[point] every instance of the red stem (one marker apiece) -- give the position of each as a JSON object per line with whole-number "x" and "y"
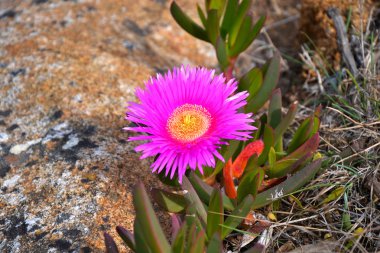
{"x": 228, "y": 72}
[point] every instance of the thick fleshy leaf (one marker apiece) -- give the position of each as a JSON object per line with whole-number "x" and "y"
{"x": 212, "y": 27}
{"x": 110, "y": 244}
{"x": 140, "y": 243}
{"x": 237, "y": 216}
{"x": 288, "y": 186}
{"x": 204, "y": 192}
{"x": 247, "y": 35}
{"x": 186, "y": 23}
{"x": 171, "y": 202}
{"x": 194, "y": 200}
{"x": 197, "y": 245}
{"x": 146, "y": 218}
{"x": 268, "y": 139}
{"x": 229, "y": 185}
{"x": 201, "y": 15}
{"x": 269, "y": 183}
{"x": 178, "y": 245}
{"x": 176, "y": 223}
{"x": 250, "y": 184}
{"x": 244, "y": 31}
{"x": 215, "y": 245}
{"x": 271, "y": 158}
{"x": 253, "y": 148}
{"x": 215, "y": 215}
{"x": 229, "y": 17}
{"x": 275, "y": 105}
{"x": 238, "y": 21}
{"x": 216, "y": 5}
{"x": 290, "y": 162}
{"x": 221, "y": 53}
{"x": 285, "y": 122}
{"x": 227, "y": 152}
{"x": 307, "y": 128}
{"x": 251, "y": 81}
{"x": 127, "y": 237}
{"x": 269, "y": 83}
{"x": 256, "y": 134}
{"x": 167, "y": 180}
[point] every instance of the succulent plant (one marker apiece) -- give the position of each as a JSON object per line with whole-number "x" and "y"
{"x": 226, "y": 24}
{"x": 201, "y": 230}
{"x": 207, "y": 208}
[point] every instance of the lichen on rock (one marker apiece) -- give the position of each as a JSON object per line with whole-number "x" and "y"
{"x": 67, "y": 70}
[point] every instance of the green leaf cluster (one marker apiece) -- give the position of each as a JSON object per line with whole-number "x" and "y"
{"x": 196, "y": 234}
{"x": 226, "y": 24}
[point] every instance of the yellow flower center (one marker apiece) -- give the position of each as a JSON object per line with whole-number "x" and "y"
{"x": 188, "y": 122}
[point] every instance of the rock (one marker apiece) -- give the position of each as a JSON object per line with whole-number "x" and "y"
{"x": 67, "y": 70}
{"x": 320, "y": 29}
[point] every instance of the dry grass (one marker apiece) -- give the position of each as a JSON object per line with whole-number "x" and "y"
{"x": 349, "y": 221}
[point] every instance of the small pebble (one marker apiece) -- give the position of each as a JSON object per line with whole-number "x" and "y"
{"x": 3, "y": 137}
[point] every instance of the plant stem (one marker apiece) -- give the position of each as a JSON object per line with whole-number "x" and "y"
{"x": 228, "y": 72}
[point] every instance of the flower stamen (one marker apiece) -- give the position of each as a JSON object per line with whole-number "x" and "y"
{"x": 188, "y": 122}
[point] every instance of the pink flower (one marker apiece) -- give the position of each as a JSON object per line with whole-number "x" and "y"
{"x": 185, "y": 116}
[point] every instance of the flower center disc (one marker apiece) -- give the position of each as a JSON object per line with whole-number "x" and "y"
{"x": 188, "y": 122}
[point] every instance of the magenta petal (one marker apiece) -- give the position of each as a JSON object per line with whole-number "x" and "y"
{"x": 163, "y": 94}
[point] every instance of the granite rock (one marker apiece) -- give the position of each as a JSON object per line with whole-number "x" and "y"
{"x": 67, "y": 69}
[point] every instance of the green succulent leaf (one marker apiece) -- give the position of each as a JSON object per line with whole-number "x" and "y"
{"x": 238, "y": 21}
{"x": 110, "y": 244}
{"x": 275, "y": 105}
{"x": 221, "y": 53}
{"x": 201, "y": 15}
{"x": 229, "y": 17}
{"x": 204, "y": 192}
{"x": 256, "y": 134}
{"x": 212, "y": 27}
{"x": 227, "y": 152}
{"x": 250, "y": 184}
{"x": 178, "y": 245}
{"x": 187, "y": 23}
{"x": 294, "y": 160}
{"x": 268, "y": 139}
{"x": 167, "y": 180}
{"x": 237, "y": 215}
{"x": 194, "y": 199}
{"x": 244, "y": 31}
{"x": 285, "y": 122}
{"x": 247, "y": 35}
{"x": 198, "y": 243}
{"x": 288, "y": 186}
{"x": 307, "y": 128}
{"x": 269, "y": 83}
{"x": 148, "y": 222}
{"x": 216, "y": 5}
{"x": 272, "y": 158}
{"x": 215, "y": 245}
{"x": 127, "y": 237}
{"x": 251, "y": 81}
{"x": 140, "y": 243}
{"x": 171, "y": 202}
{"x": 215, "y": 213}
